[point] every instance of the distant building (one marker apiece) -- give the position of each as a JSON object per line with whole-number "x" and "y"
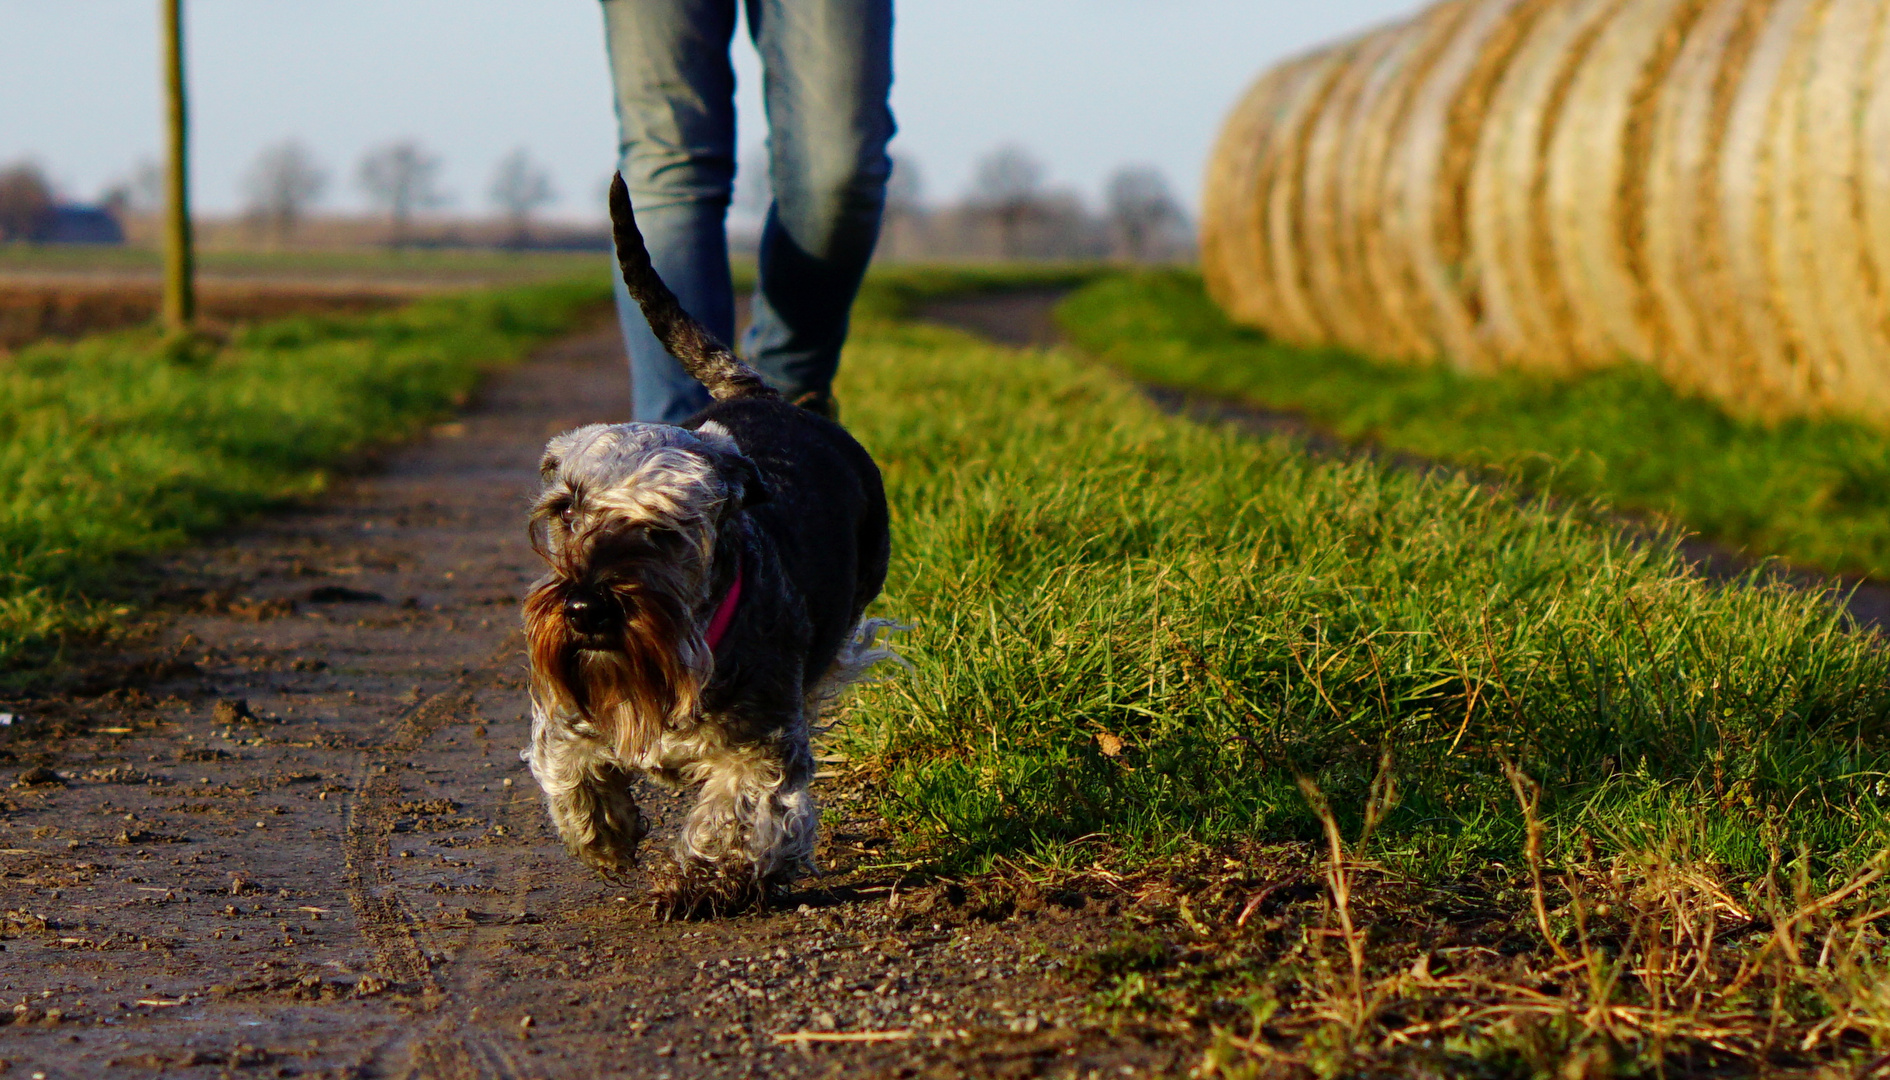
{"x": 75, "y": 224}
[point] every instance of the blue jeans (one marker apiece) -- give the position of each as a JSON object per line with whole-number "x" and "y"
{"x": 827, "y": 68}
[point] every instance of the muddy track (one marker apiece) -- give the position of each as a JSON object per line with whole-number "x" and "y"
{"x": 286, "y": 832}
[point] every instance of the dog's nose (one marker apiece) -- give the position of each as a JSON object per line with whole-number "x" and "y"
{"x": 587, "y": 614}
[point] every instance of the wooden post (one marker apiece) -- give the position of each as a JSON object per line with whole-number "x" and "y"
{"x": 180, "y": 294}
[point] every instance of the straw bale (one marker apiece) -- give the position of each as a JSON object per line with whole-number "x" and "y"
{"x": 1698, "y": 185}
{"x": 1231, "y": 260}
{"x": 1873, "y": 173}
{"x": 1684, "y": 250}
{"x": 1596, "y": 192}
{"x": 1327, "y": 256}
{"x": 1525, "y": 314}
{"x": 1820, "y": 252}
{"x": 1241, "y": 227}
{"x": 1298, "y": 313}
{"x": 1747, "y": 206}
{"x": 1404, "y": 328}
{"x": 1430, "y": 171}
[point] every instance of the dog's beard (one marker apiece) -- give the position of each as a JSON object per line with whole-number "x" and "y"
{"x": 650, "y": 682}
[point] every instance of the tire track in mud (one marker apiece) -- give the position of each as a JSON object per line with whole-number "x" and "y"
{"x": 451, "y": 1046}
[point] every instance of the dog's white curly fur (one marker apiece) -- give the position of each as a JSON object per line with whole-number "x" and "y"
{"x": 754, "y": 815}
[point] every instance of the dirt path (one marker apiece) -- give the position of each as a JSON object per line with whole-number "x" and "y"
{"x": 289, "y": 835}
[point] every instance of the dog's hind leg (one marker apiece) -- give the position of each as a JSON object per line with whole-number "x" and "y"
{"x": 587, "y": 795}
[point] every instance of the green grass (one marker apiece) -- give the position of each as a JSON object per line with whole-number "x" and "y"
{"x": 1816, "y": 491}
{"x": 894, "y": 292}
{"x": 116, "y": 446}
{"x": 1081, "y": 569}
{"x": 470, "y": 266}
{"x": 1132, "y": 635}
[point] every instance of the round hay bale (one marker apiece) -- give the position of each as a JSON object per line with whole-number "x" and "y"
{"x": 1698, "y": 185}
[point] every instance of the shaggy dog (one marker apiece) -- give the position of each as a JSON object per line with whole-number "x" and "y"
{"x": 705, "y": 598}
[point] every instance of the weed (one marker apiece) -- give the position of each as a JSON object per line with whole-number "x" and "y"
{"x": 1128, "y": 953}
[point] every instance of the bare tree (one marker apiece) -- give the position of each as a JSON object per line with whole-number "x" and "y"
{"x": 905, "y": 188}
{"x": 281, "y": 185}
{"x": 520, "y": 186}
{"x": 1008, "y": 184}
{"x": 1141, "y": 209}
{"x": 400, "y": 178}
{"x": 25, "y": 200}
{"x": 140, "y": 193}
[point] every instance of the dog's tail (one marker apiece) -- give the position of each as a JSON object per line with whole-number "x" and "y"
{"x": 707, "y": 360}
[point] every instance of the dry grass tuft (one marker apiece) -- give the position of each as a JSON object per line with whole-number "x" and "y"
{"x": 1649, "y": 961}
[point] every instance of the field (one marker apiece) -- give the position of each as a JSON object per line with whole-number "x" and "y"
{"x": 1231, "y": 758}
{"x": 439, "y": 267}
{"x": 54, "y": 292}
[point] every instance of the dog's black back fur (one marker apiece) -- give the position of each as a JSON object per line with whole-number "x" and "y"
{"x": 822, "y": 528}
{"x": 817, "y": 546}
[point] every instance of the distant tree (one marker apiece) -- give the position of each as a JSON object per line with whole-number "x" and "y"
{"x": 520, "y": 186}
{"x": 280, "y": 187}
{"x": 400, "y": 178}
{"x": 25, "y": 200}
{"x": 140, "y": 193}
{"x": 905, "y": 188}
{"x": 147, "y": 185}
{"x": 1141, "y": 209}
{"x": 1008, "y": 185}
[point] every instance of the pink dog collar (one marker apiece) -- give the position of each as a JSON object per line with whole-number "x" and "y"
{"x": 725, "y": 611}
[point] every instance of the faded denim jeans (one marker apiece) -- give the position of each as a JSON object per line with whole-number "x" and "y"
{"x": 827, "y": 73}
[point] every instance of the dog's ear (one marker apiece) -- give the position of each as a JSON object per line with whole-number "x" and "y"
{"x": 561, "y": 448}
{"x": 737, "y": 469}
{"x": 754, "y": 490}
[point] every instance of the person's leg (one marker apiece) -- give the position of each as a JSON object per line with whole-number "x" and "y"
{"x": 676, "y": 121}
{"x": 827, "y": 72}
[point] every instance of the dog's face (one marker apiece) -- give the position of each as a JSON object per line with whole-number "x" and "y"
{"x": 628, "y": 521}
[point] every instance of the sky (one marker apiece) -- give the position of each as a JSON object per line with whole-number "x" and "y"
{"x": 1085, "y": 85}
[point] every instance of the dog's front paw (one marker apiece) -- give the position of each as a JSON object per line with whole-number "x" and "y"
{"x": 606, "y": 838}
{"x": 705, "y": 892}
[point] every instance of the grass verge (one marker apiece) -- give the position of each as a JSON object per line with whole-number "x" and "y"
{"x": 1816, "y": 491}
{"x": 1168, "y": 661}
{"x": 119, "y": 445}
{"x": 446, "y": 267}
